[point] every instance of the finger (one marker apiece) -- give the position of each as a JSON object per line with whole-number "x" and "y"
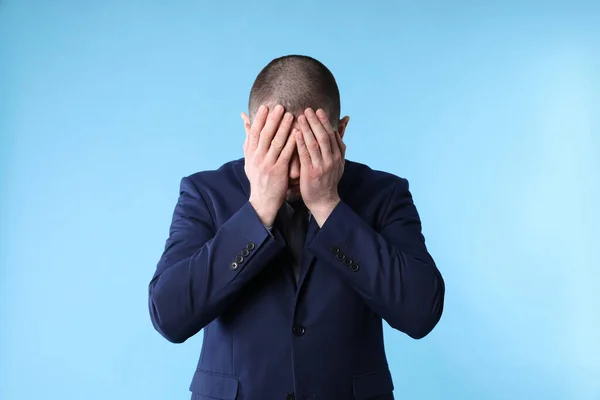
{"x": 280, "y": 139}
{"x": 303, "y": 152}
{"x": 320, "y": 133}
{"x": 324, "y": 118}
{"x": 247, "y": 130}
{"x": 246, "y": 119}
{"x": 288, "y": 151}
{"x": 310, "y": 142}
{"x": 268, "y": 131}
{"x": 257, "y": 125}
{"x": 341, "y": 145}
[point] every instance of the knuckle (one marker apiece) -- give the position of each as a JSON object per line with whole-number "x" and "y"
{"x": 277, "y": 144}
{"x": 313, "y": 146}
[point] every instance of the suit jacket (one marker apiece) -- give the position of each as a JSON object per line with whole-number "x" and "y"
{"x": 268, "y": 337}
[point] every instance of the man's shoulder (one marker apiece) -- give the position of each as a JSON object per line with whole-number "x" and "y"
{"x": 226, "y": 168}
{"x": 369, "y": 191}
{"x": 228, "y": 173}
{"x": 362, "y": 175}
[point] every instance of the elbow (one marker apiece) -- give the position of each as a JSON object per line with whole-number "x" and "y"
{"x": 170, "y": 319}
{"x": 176, "y": 339}
{"x": 420, "y": 321}
{"x": 417, "y": 327}
{"x": 169, "y": 329}
{"x": 173, "y": 337}
{"x": 421, "y": 327}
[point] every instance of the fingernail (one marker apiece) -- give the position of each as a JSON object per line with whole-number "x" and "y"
{"x": 262, "y": 108}
{"x": 288, "y": 117}
{"x": 278, "y": 108}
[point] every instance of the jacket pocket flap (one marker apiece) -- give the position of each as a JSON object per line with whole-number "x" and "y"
{"x": 213, "y": 385}
{"x": 373, "y": 385}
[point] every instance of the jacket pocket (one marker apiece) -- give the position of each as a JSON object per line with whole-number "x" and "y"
{"x": 373, "y": 385}
{"x": 208, "y": 385}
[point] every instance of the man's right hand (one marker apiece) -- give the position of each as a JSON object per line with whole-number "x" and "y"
{"x": 268, "y": 149}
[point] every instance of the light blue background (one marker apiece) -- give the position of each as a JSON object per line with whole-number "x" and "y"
{"x": 491, "y": 112}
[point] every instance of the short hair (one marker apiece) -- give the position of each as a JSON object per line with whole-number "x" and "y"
{"x": 297, "y": 82}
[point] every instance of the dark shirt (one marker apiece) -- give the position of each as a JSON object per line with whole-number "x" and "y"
{"x": 295, "y": 218}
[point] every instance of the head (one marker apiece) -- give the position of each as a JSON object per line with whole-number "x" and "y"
{"x": 297, "y": 83}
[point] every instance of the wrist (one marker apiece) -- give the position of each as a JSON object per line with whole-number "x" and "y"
{"x": 266, "y": 213}
{"x": 323, "y": 210}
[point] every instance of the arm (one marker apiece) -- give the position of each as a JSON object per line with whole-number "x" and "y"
{"x": 390, "y": 269}
{"x": 195, "y": 279}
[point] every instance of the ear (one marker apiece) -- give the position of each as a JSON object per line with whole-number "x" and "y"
{"x": 247, "y": 124}
{"x": 342, "y": 125}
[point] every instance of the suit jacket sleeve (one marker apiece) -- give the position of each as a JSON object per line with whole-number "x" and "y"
{"x": 391, "y": 268}
{"x": 195, "y": 279}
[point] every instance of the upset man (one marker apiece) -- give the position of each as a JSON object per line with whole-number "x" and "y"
{"x": 290, "y": 258}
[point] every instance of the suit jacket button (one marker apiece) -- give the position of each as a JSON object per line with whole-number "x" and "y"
{"x": 354, "y": 267}
{"x": 335, "y": 250}
{"x": 298, "y": 330}
{"x": 245, "y": 252}
{"x": 348, "y": 261}
{"x": 239, "y": 259}
{"x": 250, "y": 246}
{"x": 233, "y": 265}
{"x": 341, "y": 256}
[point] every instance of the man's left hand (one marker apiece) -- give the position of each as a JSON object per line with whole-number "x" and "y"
{"x": 322, "y": 153}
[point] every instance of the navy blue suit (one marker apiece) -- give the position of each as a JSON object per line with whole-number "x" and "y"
{"x": 268, "y": 337}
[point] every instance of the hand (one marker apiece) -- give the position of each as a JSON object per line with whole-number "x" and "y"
{"x": 322, "y": 153}
{"x": 268, "y": 149}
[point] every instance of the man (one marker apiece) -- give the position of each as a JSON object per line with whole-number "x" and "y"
{"x": 291, "y": 257}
